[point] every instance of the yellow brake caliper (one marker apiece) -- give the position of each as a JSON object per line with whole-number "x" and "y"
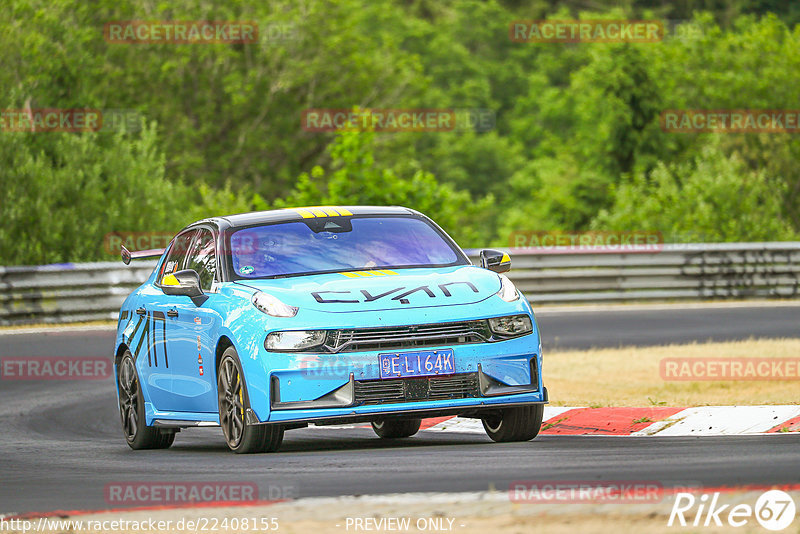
{"x": 241, "y": 398}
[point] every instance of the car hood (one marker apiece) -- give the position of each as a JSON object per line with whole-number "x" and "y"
{"x": 366, "y": 291}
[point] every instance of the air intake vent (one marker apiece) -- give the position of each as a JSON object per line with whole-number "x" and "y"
{"x": 402, "y": 337}
{"x": 459, "y": 386}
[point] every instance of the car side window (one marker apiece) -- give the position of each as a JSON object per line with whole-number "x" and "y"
{"x": 176, "y": 258}
{"x": 203, "y": 258}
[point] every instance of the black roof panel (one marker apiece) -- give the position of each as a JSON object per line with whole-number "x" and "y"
{"x": 298, "y": 214}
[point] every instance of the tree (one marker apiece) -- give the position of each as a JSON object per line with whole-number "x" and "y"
{"x": 716, "y": 196}
{"x": 356, "y": 178}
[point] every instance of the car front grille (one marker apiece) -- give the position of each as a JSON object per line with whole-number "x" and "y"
{"x": 401, "y": 337}
{"x": 458, "y": 386}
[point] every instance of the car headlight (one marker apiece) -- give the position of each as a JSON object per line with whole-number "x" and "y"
{"x": 272, "y": 305}
{"x": 294, "y": 340}
{"x": 508, "y": 291}
{"x": 515, "y": 325}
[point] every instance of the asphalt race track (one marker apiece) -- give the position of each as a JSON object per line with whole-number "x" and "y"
{"x": 61, "y": 442}
{"x": 645, "y": 326}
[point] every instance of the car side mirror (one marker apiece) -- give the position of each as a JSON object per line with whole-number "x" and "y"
{"x": 182, "y": 283}
{"x": 495, "y": 260}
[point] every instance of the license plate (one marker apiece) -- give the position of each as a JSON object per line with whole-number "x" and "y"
{"x": 422, "y": 363}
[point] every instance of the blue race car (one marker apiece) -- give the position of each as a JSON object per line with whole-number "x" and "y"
{"x": 271, "y": 321}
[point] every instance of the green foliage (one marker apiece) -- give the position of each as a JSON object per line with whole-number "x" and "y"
{"x": 64, "y": 194}
{"x": 715, "y": 195}
{"x": 356, "y": 179}
{"x": 577, "y": 142}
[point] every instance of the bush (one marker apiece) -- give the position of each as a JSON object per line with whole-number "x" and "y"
{"x": 715, "y": 195}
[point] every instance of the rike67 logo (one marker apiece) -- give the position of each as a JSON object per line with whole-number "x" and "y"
{"x": 774, "y": 510}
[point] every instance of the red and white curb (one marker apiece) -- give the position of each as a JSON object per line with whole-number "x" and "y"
{"x": 651, "y": 421}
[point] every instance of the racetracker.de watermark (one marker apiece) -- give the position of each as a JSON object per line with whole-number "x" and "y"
{"x": 35, "y": 120}
{"x": 595, "y": 491}
{"x": 586, "y": 31}
{"x": 113, "y": 241}
{"x": 180, "y": 32}
{"x": 730, "y": 120}
{"x": 55, "y": 368}
{"x": 114, "y": 120}
{"x": 397, "y": 120}
{"x": 338, "y": 367}
{"x": 155, "y": 241}
{"x": 702, "y": 369}
{"x": 164, "y": 493}
{"x": 589, "y": 241}
{"x": 51, "y": 120}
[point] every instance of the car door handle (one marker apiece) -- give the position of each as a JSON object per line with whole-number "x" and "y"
{"x": 172, "y": 313}
{"x": 140, "y": 311}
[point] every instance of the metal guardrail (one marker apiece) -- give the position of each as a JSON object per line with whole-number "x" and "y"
{"x": 557, "y": 275}
{"x": 67, "y": 293}
{"x": 672, "y": 272}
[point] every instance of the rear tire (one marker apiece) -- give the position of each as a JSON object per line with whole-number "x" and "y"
{"x": 515, "y": 424}
{"x": 241, "y": 437}
{"x": 131, "y": 410}
{"x": 400, "y": 428}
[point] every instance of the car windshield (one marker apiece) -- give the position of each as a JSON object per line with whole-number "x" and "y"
{"x": 338, "y": 244}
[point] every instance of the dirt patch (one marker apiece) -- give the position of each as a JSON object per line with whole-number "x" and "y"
{"x": 632, "y": 376}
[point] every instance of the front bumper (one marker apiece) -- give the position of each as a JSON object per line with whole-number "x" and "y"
{"x": 421, "y": 410}
{"x": 355, "y": 393}
{"x": 307, "y": 388}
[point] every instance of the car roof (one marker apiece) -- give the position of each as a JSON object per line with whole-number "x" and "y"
{"x": 300, "y": 213}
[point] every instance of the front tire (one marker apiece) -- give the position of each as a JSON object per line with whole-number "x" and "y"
{"x": 131, "y": 410}
{"x": 515, "y": 424}
{"x": 241, "y": 437}
{"x": 391, "y": 429}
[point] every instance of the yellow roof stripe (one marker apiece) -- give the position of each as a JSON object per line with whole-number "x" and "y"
{"x": 304, "y": 213}
{"x": 365, "y": 274}
{"x": 309, "y": 212}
